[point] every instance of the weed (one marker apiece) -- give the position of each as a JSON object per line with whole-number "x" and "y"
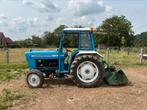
{"x": 13, "y": 66}
{"x": 8, "y": 74}
{"x": 8, "y": 98}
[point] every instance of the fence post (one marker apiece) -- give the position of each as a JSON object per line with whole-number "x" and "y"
{"x": 7, "y": 56}
{"x": 141, "y": 56}
{"x": 107, "y": 55}
{"x": 128, "y": 49}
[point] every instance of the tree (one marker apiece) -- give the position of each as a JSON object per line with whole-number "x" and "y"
{"x": 37, "y": 41}
{"x": 141, "y": 39}
{"x": 26, "y": 43}
{"x": 52, "y": 39}
{"x": 117, "y": 28}
{"x": 57, "y": 34}
{"x": 48, "y": 39}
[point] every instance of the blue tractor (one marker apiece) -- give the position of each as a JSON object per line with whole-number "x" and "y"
{"x": 83, "y": 63}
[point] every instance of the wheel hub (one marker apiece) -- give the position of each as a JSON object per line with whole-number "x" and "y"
{"x": 33, "y": 80}
{"x": 87, "y": 71}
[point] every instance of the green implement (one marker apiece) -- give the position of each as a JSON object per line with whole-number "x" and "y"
{"x": 113, "y": 76}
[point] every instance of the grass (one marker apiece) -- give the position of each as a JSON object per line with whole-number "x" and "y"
{"x": 14, "y": 66}
{"x": 9, "y": 99}
{"x": 8, "y": 74}
{"x": 16, "y": 55}
{"x": 17, "y": 58}
{"x": 123, "y": 59}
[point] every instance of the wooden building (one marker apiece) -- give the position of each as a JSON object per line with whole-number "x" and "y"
{"x": 4, "y": 41}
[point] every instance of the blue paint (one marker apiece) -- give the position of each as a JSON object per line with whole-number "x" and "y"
{"x": 48, "y": 55}
{"x": 92, "y": 40}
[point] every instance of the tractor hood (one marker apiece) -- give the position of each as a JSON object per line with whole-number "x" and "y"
{"x": 43, "y": 54}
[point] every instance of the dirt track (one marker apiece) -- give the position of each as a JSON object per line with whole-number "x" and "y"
{"x": 64, "y": 95}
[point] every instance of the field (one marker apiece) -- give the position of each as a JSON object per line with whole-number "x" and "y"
{"x": 121, "y": 58}
{"x": 65, "y": 95}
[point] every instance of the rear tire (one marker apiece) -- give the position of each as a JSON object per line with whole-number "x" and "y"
{"x": 34, "y": 79}
{"x": 87, "y": 71}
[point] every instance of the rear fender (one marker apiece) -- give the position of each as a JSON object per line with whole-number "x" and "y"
{"x": 90, "y": 53}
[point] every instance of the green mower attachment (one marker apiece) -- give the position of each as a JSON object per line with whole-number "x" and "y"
{"x": 113, "y": 76}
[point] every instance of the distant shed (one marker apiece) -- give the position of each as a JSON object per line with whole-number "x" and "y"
{"x": 4, "y": 41}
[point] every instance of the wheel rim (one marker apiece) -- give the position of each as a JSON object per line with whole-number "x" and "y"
{"x": 87, "y": 71}
{"x": 33, "y": 80}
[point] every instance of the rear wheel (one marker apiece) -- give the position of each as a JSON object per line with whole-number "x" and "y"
{"x": 87, "y": 71}
{"x": 34, "y": 79}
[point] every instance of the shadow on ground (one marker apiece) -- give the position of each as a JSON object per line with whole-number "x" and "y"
{"x": 51, "y": 83}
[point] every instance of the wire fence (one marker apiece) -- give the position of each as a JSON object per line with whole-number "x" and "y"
{"x": 12, "y": 56}
{"x": 16, "y": 55}
{"x": 123, "y": 56}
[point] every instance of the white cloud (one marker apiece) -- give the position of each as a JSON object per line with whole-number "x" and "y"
{"x": 50, "y": 18}
{"x": 18, "y": 20}
{"x": 70, "y": 13}
{"x": 3, "y": 24}
{"x": 43, "y": 6}
{"x": 86, "y": 22}
{"x": 3, "y": 20}
{"x": 18, "y": 24}
{"x": 2, "y": 17}
{"x": 32, "y": 22}
{"x": 86, "y": 7}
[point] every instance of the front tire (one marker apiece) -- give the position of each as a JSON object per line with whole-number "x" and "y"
{"x": 87, "y": 71}
{"x": 34, "y": 79}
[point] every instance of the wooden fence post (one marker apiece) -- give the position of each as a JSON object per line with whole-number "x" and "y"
{"x": 141, "y": 56}
{"x": 7, "y": 56}
{"x": 128, "y": 50}
{"x": 107, "y": 55}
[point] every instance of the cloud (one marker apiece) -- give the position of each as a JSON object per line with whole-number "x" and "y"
{"x": 43, "y": 6}
{"x": 87, "y": 7}
{"x": 20, "y": 24}
{"x": 3, "y": 20}
{"x": 32, "y": 22}
{"x": 3, "y": 24}
{"x": 3, "y": 17}
{"x": 70, "y": 13}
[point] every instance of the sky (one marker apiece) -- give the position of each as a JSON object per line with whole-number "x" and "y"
{"x": 19, "y": 19}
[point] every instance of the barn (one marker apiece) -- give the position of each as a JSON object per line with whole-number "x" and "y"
{"x": 4, "y": 41}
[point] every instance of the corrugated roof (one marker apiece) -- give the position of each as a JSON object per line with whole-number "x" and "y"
{"x": 77, "y": 29}
{"x": 8, "y": 40}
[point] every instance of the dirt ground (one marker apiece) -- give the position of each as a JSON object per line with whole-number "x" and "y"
{"x": 64, "y": 95}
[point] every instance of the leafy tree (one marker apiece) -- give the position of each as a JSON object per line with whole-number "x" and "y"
{"x": 37, "y": 41}
{"x": 123, "y": 41}
{"x": 116, "y": 29}
{"x": 141, "y": 39}
{"x": 57, "y": 34}
{"x": 52, "y": 39}
{"x": 48, "y": 39}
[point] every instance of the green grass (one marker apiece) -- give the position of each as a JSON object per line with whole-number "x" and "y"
{"x": 9, "y": 99}
{"x": 123, "y": 59}
{"x": 13, "y": 66}
{"x": 8, "y": 74}
{"x": 17, "y": 58}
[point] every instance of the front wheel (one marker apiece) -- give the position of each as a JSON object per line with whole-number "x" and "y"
{"x": 87, "y": 71}
{"x": 34, "y": 79}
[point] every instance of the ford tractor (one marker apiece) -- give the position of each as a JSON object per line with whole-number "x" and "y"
{"x": 80, "y": 61}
